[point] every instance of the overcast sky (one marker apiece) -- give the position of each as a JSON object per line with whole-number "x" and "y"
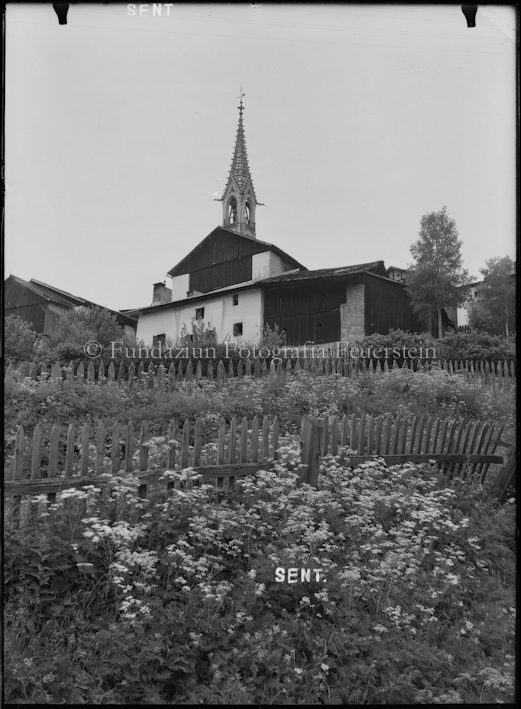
{"x": 359, "y": 119}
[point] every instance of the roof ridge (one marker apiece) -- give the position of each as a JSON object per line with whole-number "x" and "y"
{"x": 57, "y": 290}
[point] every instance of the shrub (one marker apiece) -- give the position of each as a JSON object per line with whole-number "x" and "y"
{"x": 19, "y": 340}
{"x": 272, "y": 338}
{"x": 74, "y": 329}
{"x": 398, "y": 342}
{"x": 476, "y": 345}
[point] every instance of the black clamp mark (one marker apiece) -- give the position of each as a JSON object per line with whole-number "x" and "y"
{"x": 470, "y": 14}
{"x": 61, "y": 9}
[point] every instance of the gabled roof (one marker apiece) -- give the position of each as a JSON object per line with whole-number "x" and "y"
{"x": 375, "y": 267}
{"x": 61, "y": 297}
{"x": 48, "y": 293}
{"x": 176, "y": 270}
{"x": 57, "y": 294}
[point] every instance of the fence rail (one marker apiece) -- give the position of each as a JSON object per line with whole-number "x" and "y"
{"x": 497, "y": 374}
{"x": 80, "y": 456}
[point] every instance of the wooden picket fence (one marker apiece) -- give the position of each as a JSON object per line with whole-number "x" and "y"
{"x": 80, "y": 457}
{"x": 495, "y": 374}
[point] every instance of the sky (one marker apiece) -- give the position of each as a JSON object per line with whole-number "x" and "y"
{"x": 359, "y": 119}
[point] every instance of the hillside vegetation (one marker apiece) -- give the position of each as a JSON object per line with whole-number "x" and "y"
{"x": 186, "y": 597}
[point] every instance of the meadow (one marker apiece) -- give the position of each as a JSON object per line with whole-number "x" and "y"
{"x": 187, "y": 596}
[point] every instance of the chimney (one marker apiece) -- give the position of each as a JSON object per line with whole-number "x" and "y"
{"x": 162, "y": 294}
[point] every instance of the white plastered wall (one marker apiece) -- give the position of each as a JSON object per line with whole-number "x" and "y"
{"x": 156, "y": 323}
{"x": 266, "y": 265}
{"x": 219, "y": 313}
{"x": 180, "y": 286}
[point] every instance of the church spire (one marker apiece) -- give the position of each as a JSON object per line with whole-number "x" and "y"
{"x": 239, "y": 200}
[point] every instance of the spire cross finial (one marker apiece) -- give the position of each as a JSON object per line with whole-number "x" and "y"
{"x": 241, "y": 96}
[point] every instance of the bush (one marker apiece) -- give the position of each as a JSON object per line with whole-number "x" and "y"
{"x": 475, "y": 346}
{"x": 19, "y": 340}
{"x": 74, "y": 330}
{"x": 398, "y": 341}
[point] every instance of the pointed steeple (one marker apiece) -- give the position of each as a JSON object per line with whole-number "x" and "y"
{"x": 239, "y": 200}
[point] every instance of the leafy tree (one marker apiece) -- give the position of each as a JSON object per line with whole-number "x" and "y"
{"x": 77, "y": 327}
{"x": 19, "y": 340}
{"x": 437, "y": 280}
{"x": 494, "y": 309}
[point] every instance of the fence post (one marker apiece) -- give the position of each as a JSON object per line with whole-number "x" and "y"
{"x": 506, "y": 479}
{"x": 18, "y": 475}
{"x": 131, "y": 373}
{"x": 310, "y": 456}
{"x": 56, "y": 371}
{"x": 220, "y": 373}
{"x": 36, "y": 460}
{"x": 275, "y": 438}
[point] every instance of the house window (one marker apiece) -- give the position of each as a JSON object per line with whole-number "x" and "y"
{"x": 199, "y": 313}
{"x": 237, "y": 329}
{"x": 236, "y": 299}
{"x": 159, "y": 340}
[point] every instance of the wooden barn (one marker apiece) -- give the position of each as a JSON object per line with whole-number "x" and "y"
{"x": 41, "y": 305}
{"x": 337, "y": 304}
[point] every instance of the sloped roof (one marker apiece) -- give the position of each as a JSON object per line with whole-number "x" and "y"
{"x": 234, "y": 288}
{"x": 57, "y": 294}
{"x": 373, "y": 268}
{"x": 376, "y": 267}
{"x": 46, "y": 292}
{"x": 175, "y": 271}
{"x": 61, "y": 297}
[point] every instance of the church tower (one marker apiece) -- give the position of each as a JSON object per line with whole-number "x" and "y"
{"x": 239, "y": 201}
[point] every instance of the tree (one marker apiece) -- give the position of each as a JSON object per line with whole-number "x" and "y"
{"x": 75, "y": 328}
{"x": 19, "y": 340}
{"x": 494, "y": 309}
{"x": 437, "y": 280}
